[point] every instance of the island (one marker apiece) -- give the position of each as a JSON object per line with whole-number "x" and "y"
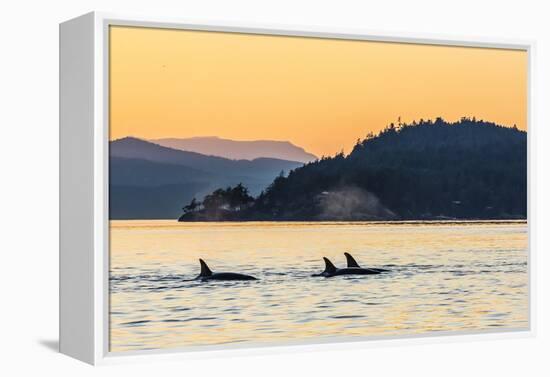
{"x": 425, "y": 170}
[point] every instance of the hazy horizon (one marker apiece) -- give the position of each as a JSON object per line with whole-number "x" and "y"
{"x": 233, "y": 149}
{"x": 259, "y": 140}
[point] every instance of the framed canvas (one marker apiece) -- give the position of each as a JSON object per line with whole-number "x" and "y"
{"x": 248, "y": 188}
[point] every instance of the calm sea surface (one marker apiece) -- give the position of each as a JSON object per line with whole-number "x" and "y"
{"x": 444, "y": 277}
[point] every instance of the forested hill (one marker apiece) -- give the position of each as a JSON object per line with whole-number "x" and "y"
{"x": 429, "y": 170}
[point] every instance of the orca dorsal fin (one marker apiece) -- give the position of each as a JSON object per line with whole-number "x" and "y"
{"x": 351, "y": 261}
{"x": 329, "y": 267}
{"x": 205, "y": 271}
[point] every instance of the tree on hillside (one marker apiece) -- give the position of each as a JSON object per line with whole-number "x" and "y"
{"x": 229, "y": 199}
{"x": 192, "y": 206}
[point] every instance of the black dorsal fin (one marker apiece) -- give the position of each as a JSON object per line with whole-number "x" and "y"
{"x": 205, "y": 271}
{"x": 351, "y": 261}
{"x": 329, "y": 267}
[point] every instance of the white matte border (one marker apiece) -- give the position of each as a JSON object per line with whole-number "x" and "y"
{"x": 101, "y": 190}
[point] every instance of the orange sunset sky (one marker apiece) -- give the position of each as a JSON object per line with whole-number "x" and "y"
{"x": 320, "y": 94}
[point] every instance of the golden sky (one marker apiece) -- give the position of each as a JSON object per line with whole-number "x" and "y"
{"x": 320, "y": 94}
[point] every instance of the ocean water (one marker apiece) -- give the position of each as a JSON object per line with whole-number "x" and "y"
{"x": 445, "y": 276}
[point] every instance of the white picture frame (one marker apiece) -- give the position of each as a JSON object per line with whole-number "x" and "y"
{"x": 84, "y": 229}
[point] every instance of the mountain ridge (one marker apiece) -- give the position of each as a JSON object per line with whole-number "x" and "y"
{"x": 151, "y": 181}
{"x": 238, "y": 149}
{"x": 135, "y": 148}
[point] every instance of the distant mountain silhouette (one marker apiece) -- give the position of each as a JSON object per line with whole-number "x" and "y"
{"x": 134, "y": 148}
{"x": 428, "y": 170}
{"x": 239, "y": 150}
{"x": 151, "y": 181}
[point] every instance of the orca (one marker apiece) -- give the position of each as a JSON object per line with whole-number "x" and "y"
{"x": 352, "y": 263}
{"x": 207, "y": 274}
{"x": 331, "y": 270}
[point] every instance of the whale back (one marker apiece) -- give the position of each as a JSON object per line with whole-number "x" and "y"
{"x": 205, "y": 271}
{"x": 351, "y": 261}
{"x": 329, "y": 267}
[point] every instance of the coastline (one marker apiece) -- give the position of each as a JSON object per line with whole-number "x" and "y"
{"x": 175, "y": 223}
